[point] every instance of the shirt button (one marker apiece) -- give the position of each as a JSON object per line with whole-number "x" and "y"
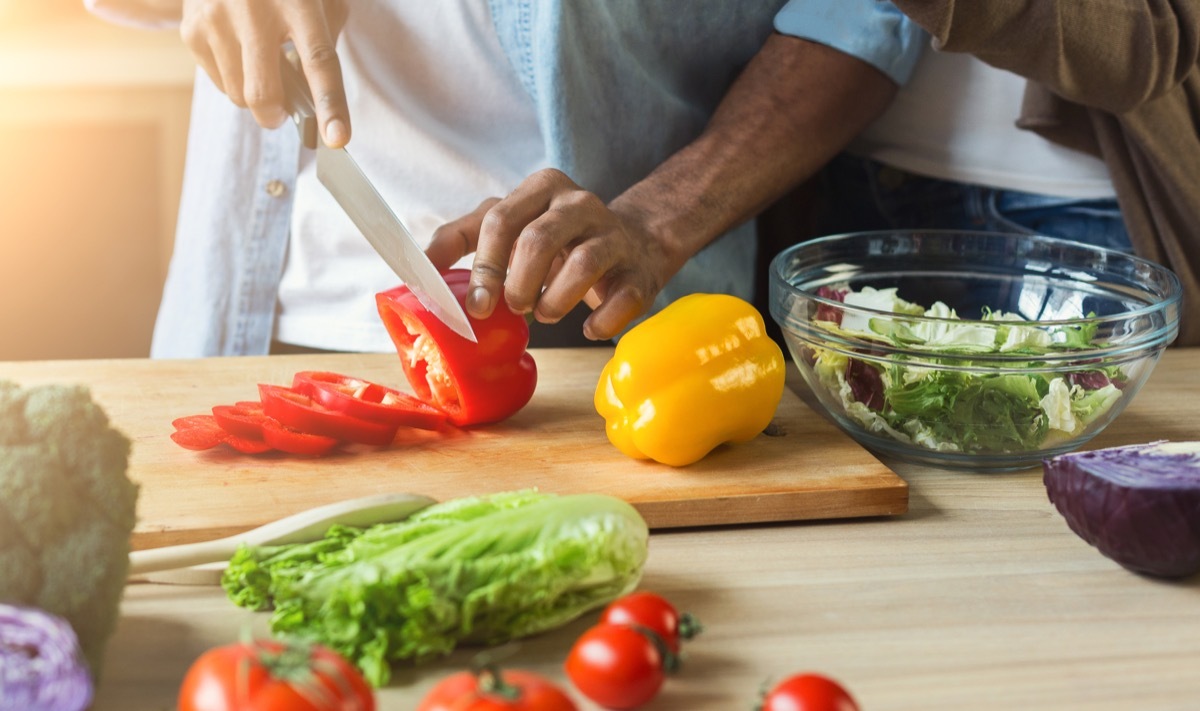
{"x": 276, "y": 188}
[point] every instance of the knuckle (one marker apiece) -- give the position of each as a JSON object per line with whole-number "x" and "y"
{"x": 262, "y": 97}
{"x": 331, "y": 99}
{"x": 583, "y": 200}
{"x": 487, "y": 271}
{"x": 551, "y": 177}
{"x": 536, "y": 238}
{"x": 639, "y": 295}
{"x": 497, "y": 220}
{"x": 322, "y": 56}
{"x": 586, "y": 259}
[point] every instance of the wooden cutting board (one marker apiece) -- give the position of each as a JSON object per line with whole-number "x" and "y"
{"x": 807, "y": 470}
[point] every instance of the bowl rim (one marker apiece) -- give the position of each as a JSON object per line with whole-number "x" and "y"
{"x": 1173, "y": 297}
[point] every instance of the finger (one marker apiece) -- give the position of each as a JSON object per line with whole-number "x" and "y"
{"x": 323, "y": 71}
{"x": 204, "y": 58}
{"x": 622, "y": 303}
{"x": 227, "y": 55}
{"x": 569, "y": 282}
{"x": 498, "y": 233}
{"x": 194, "y": 31}
{"x": 222, "y": 39}
{"x": 576, "y": 225}
{"x": 457, "y": 238}
{"x": 263, "y": 84}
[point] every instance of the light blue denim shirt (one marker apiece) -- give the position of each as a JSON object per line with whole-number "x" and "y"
{"x": 618, "y": 86}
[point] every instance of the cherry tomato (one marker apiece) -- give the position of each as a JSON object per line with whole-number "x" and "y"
{"x": 808, "y": 692}
{"x": 300, "y": 412}
{"x": 270, "y": 676}
{"x": 653, "y": 612}
{"x": 367, "y": 400}
{"x": 488, "y": 690}
{"x": 617, "y": 666}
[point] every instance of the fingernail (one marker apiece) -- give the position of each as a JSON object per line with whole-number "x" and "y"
{"x": 335, "y": 133}
{"x": 479, "y": 300}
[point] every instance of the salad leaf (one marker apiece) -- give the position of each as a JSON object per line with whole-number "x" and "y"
{"x": 475, "y": 570}
{"x": 917, "y": 399}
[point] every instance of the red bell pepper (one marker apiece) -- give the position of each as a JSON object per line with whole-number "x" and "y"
{"x": 247, "y": 419}
{"x": 367, "y": 400}
{"x": 199, "y": 432}
{"x": 300, "y": 412}
{"x": 473, "y": 383}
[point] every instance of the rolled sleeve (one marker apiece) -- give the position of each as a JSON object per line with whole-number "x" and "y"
{"x": 117, "y": 14}
{"x": 875, "y": 32}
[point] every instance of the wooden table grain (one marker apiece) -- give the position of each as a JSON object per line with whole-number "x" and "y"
{"x": 978, "y": 598}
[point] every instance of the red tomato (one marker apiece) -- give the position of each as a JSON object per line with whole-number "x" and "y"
{"x": 270, "y": 676}
{"x": 655, "y": 613}
{"x": 511, "y": 689}
{"x": 200, "y": 432}
{"x": 617, "y": 666}
{"x": 301, "y": 413}
{"x": 473, "y": 383}
{"x": 808, "y": 692}
{"x": 367, "y": 400}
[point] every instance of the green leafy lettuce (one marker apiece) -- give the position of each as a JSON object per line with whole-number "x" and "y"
{"x": 944, "y": 400}
{"x": 480, "y": 570}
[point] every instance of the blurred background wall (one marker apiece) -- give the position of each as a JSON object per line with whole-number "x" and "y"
{"x": 93, "y": 126}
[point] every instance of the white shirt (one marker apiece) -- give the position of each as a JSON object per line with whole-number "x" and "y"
{"x": 414, "y": 72}
{"x": 968, "y": 134}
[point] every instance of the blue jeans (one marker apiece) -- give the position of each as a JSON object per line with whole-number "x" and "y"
{"x": 862, "y": 194}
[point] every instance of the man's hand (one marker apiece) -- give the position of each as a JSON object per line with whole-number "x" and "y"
{"x": 551, "y": 232}
{"x": 238, "y": 43}
{"x": 793, "y": 108}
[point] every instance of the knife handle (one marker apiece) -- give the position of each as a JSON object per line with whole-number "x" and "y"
{"x": 298, "y": 98}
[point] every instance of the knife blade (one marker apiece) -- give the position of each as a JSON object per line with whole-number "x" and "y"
{"x": 367, "y": 209}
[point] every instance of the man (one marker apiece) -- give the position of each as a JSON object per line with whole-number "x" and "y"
{"x": 1103, "y": 148}
{"x": 624, "y": 99}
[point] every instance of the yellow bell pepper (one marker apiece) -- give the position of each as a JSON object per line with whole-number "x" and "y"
{"x": 700, "y": 373}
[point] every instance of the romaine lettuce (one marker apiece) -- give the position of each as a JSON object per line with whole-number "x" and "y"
{"x": 476, "y": 570}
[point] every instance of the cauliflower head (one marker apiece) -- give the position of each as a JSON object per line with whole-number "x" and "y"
{"x": 67, "y": 509}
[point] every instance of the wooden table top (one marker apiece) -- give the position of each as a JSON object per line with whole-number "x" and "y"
{"x": 979, "y": 597}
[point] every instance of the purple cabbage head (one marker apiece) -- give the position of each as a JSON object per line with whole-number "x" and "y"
{"x": 1138, "y": 504}
{"x": 41, "y": 665}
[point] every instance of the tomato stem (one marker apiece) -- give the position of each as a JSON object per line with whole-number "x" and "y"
{"x": 689, "y": 626}
{"x": 670, "y": 660}
{"x": 491, "y": 683}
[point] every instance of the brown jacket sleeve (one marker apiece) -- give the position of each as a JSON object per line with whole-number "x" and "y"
{"x": 1120, "y": 78}
{"x": 1111, "y": 55}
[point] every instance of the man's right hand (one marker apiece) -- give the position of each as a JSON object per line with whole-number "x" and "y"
{"x": 238, "y": 43}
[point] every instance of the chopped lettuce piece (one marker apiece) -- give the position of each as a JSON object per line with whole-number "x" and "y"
{"x": 918, "y": 400}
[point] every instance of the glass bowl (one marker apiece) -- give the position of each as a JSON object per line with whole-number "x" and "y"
{"x": 971, "y": 350}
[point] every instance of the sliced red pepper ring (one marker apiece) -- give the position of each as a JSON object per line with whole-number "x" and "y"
{"x": 299, "y": 412}
{"x": 198, "y": 432}
{"x": 367, "y": 400}
{"x": 247, "y": 419}
{"x": 240, "y": 421}
{"x": 293, "y": 442}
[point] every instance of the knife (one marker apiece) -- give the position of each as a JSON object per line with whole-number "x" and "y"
{"x": 338, "y": 172}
